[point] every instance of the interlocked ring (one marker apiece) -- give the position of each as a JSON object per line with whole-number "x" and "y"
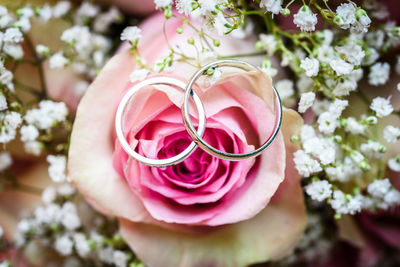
{"x": 125, "y": 145}
{"x": 200, "y": 141}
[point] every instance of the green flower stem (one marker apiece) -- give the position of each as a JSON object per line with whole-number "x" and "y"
{"x": 255, "y": 54}
{"x": 44, "y": 93}
{"x": 28, "y": 89}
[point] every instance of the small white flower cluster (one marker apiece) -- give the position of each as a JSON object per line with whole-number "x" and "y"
{"x": 57, "y": 168}
{"x": 11, "y": 120}
{"x": 11, "y": 32}
{"x": 59, "y": 222}
{"x": 305, "y": 19}
{"x": 5, "y": 161}
{"x": 131, "y": 34}
{"x": 273, "y": 6}
{"x": 46, "y": 116}
{"x": 350, "y": 16}
{"x": 90, "y": 46}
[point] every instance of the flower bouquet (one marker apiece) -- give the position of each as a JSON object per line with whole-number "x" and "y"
{"x": 199, "y": 133}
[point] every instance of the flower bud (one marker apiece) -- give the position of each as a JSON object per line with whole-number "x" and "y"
{"x": 190, "y": 40}
{"x": 396, "y": 31}
{"x": 179, "y": 30}
{"x": 285, "y": 12}
{"x": 294, "y": 138}
{"x": 337, "y": 138}
{"x": 216, "y": 43}
{"x": 343, "y": 122}
{"x": 382, "y": 149}
{"x": 371, "y": 120}
{"x": 362, "y": 17}
{"x": 364, "y": 166}
{"x": 259, "y": 45}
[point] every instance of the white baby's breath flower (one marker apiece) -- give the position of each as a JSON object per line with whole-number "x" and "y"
{"x": 61, "y": 8}
{"x": 304, "y": 164}
{"x": 394, "y": 164}
{"x": 120, "y": 258}
{"x": 5, "y": 160}
{"x": 307, "y": 132}
{"x": 24, "y": 24}
{"x": 345, "y": 15}
{"x": 392, "y": 198}
{"x": 321, "y": 148}
{"x": 354, "y": 127}
{"x": 381, "y": 106}
{"x": 162, "y": 3}
{"x": 372, "y": 149}
{"x": 341, "y": 67}
{"x": 398, "y": 87}
{"x": 379, "y": 187}
{"x": 306, "y": 101}
{"x": 12, "y": 35}
{"x": 344, "y": 86}
{"x": 138, "y": 75}
{"x": 184, "y": 6}
{"x": 13, "y": 120}
{"x": 273, "y": 6}
{"x": 310, "y": 66}
{"x": 81, "y": 87}
{"x": 319, "y": 190}
{"x": 304, "y": 83}
{"x": 221, "y": 24}
{"x": 131, "y": 34}
{"x": 305, "y": 19}
{"x": 327, "y": 122}
{"x": 3, "y": 102}
{"x": 29, "y": 133}
{"x": 70, "y": 218}
{"x": 58, "y": 61}
{"x": 33, "y": 147}
{"x": 285, "y": 89}
{"x": 353, "y": 52}
{"x": 57, "y": 168}
{"x": 270, "y": 71}
{"x": 81, "y": 245}
{"x": 45, "y": 13}
{"x": 42, "y": 50}
{"x": 49, "y": 194}
{"x": 77, "y": 36}
{"x": 14, "y": 51}
{"x": 66, "y": 190}
{"x": 64, "y": 245}
{"x": 87, "y": 10}
{"x": 269, "y": 42}
{"x": 379, "y": 73}
{"x": 346, "y": 204}
{"x": 338, "y": 106}
{"x": 47, "y": 115}
{"x": 391, "y": 133}
{"x": 325, "y": 53}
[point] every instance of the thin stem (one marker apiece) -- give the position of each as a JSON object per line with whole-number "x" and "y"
{"x": 363, "y": 97}
{"x": 243, "y": 55}
{"x": 27, "y": 88}
{"x": 28, "y": 189}
{"x": 42, "y": 78}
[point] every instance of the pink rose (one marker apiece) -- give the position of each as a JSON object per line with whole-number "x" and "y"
{"x": 203, "y": 211}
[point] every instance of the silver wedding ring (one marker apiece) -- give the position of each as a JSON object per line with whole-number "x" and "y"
{"x": 120, "y": 134}
{"x": 197, "y": 135}
{"x": 199, "y": 139}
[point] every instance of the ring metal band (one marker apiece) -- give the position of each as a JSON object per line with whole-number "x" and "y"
{"x": 124, "y": 143}
{"x": 199, "y": 140}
